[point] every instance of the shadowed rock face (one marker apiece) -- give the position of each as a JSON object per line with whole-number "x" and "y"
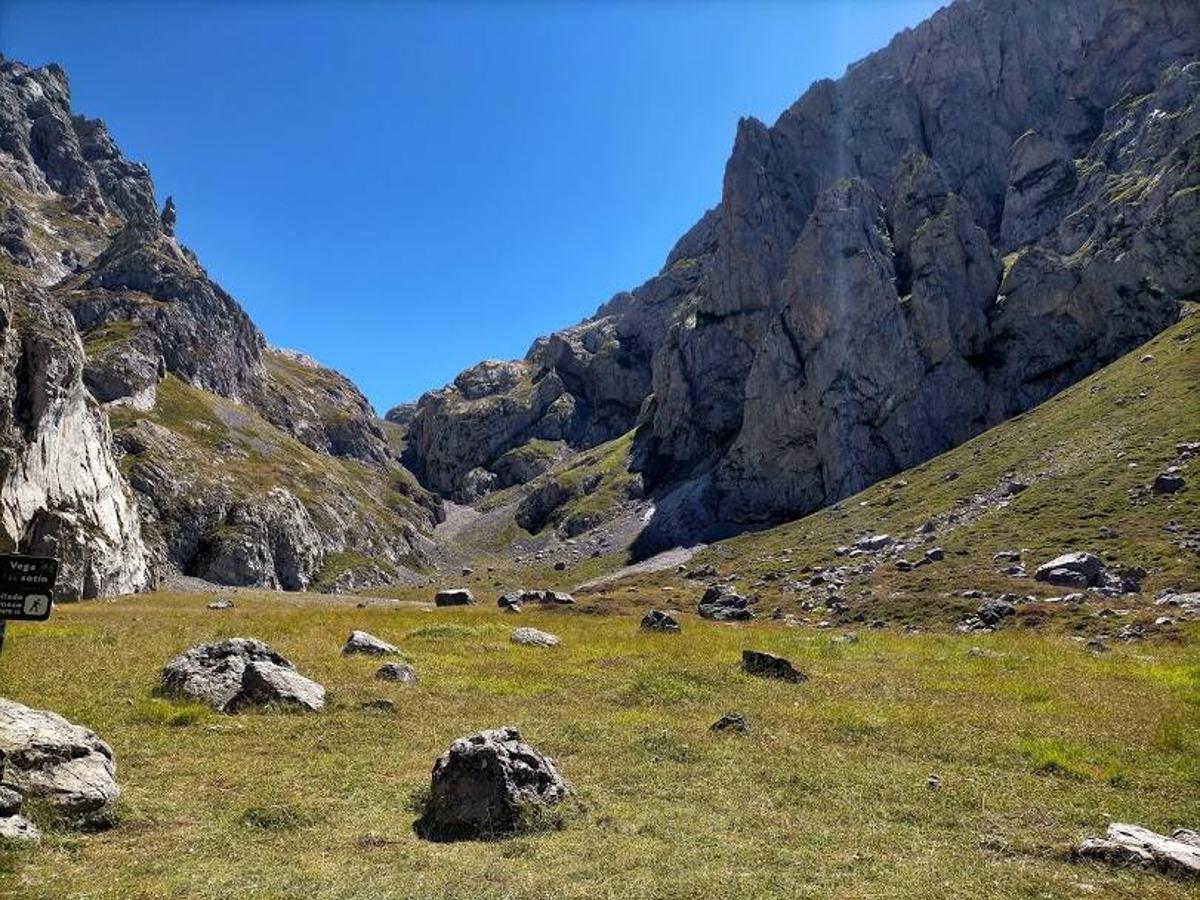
{"x": 969, "y": 220}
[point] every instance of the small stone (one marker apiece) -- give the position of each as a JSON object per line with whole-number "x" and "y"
{"x": 560, "y": 566}
{"x": 17, "y": 831}
{"x": 10, "y": 802}
{"x": 768, "y": 665}
{"x": 935, "y": 554}
{"x": 934, "y": 782}
{"x": 733, "y": 721}
{"x": 657, "y": 620}
{"x": 531, "y": 637}
{"x": 383, "y": 704}
{"x": 221, "y": 603}
{"x": 724, "y": 605}
{"x": 467, "y": 570}
{"x": 400, "y": 672}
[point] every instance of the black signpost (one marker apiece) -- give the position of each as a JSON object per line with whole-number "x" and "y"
{"x": 26, "y": 586}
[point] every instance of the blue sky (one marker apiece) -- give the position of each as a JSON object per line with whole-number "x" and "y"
{"x": 402, "y": 190}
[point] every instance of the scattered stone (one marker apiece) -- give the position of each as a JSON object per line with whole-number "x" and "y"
{"x": 467, "y": 570}
{"x": 362, "y": 642}
{"x": 733, "y": 721}
{"x": 239, "y": 673}
{"x": 874, "y": 543}
{"x": 221, "y": 603}
{"x": 1129, "y": 845}
{"x": 10, "y": 802}
{"x": 17, "y": 831}
{"x": 1187, "y": 601}
{"x": 1012, "y": 488}
{"x": 383, "y": 704}
{"x": 1096, "y": 645}
{"x": 706, "y": 571}
{"x": 1009, "y": 556}
{"x": 1168, "y": 483}
{"x": 489, "y": 785}
{"x": 401, "y": 672}
{"x": 1076, "y": 570}
{"x": 531, "y": 637}
{"x": 511, "y": 601}
{"x": 992, "y": 612}
{"x": 768, "y": 665}
{"x": 848, "y": 638}
{"x": 51, "y": 760}
{"x": 454, "y": 597}
{"x": 935, "y": 554}
{"x": 934, "y": 782}
{"x": 981, "y": 653}
{"x": 560, "y": 566}
{"x": 657, "y": 620}
{"x": 724, "y": 605}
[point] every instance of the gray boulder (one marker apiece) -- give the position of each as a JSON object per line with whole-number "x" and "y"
{"x": 46, "y": 758}
{"x": 239, "y": 673}
{"x": 531, "y": 637}
{"x": 454, "y": 597}
{"x": 511, "y": 601}
{"x": 734, "y": 722}
{"x": 1130, "y": 845}
{"x": 993, "y": 612}
{"x": 1076, "y": 570}
{"x": 362, "y": 642}
{"x": 768, "y": 665}
{"x": 491, "y": 784}
{"x": 1168, "y": 483}
{"x": 724, "y": 605}
{"x": 17, "y": 831}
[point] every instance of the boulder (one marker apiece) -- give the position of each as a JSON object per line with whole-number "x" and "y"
{"x": 362, "y": 642}
{"x": 221, "y": 603}
{"x": 238, "y": 673}
{"x": 768, "y": 665}
{"x": 657, "y": 620}
{"x": 723, "y": 605}
{"x": 46, "y": 758}
{"x": 1168, "y": 483}
{"x": 454, "y": 597}
{"x": 10, "y": 801}
{"x": 1077, "y": 570}
{"x": 400, "y": 672}
{"x": 511, "y": 601}
{"x": 1130, "y": 845}
{"x": 531, "y": 637}
{"x": 491, "y": 784}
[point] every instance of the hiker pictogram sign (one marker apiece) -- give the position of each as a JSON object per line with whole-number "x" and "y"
{"x": 26, "y": 586}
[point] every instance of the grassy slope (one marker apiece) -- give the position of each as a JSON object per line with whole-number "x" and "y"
{"x": 1082, "y": 453}
{"x": 826, "y": 797}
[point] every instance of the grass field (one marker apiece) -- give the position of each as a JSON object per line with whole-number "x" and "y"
{"x": 1037, "y": 746}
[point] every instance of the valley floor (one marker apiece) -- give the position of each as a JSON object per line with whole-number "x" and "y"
{"x": 1037, "y": 741}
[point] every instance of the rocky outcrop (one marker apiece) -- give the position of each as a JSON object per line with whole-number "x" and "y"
{"x": 61, "y": 493}
{"x": 996, "y": 204}
{"x": 44, "y": 757}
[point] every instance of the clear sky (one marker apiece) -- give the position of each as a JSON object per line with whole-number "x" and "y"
{"x": 404, "y": 189}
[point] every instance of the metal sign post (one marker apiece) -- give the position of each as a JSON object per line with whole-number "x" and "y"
{"x": 26, "y": 586}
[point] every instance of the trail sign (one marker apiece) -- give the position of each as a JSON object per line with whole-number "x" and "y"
{"x": 26, "y": 586}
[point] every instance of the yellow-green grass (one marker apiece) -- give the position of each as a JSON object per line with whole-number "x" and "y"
{"x": 1037, "y": 746}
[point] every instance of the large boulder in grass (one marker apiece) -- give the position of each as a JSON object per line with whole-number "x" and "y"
{"x": 531, "y": 637}
{"x": 237, "y": 674}
{"x": 48, "y": 759}
{"x": 768, "y": 665}
{"x": 492, "y": 784}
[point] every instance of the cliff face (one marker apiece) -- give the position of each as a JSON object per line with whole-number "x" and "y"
{"x": 971, "y": 219}
{"x": 224, "y": 459}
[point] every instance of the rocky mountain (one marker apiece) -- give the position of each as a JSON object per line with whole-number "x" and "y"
{"x": 973, "y": 218}
{"x": 149, "y": 429}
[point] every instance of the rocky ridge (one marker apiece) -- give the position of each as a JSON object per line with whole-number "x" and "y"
{"x": 996, "y": 204}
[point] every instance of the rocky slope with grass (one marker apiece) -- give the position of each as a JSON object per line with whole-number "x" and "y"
{"x": 150, "y": 430}
{"x": 996, "y": 204}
